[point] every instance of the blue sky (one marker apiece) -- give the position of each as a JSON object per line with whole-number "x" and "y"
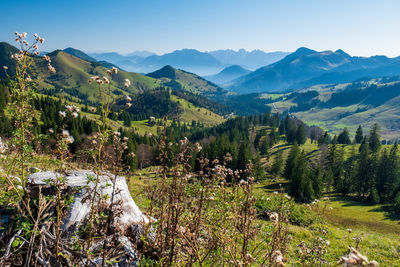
{"x": 360, "y": 27}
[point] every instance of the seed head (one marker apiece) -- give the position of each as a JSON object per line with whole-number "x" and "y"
{"x": 62, "y": 114}
{"x": 114, "y": 70}
{"x": 75, "y": 115}
{"x": 128, "y": 105}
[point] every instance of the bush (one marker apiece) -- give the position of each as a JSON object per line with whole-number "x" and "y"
{"x": 298, "y": 214}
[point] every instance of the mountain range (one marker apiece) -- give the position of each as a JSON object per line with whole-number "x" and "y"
{"x": 306, "y": 67}
{"x": 201, "y": 63}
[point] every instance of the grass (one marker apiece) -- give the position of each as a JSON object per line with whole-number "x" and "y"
{"x": 191, "y": 112}
{"x": 379, "y": 232}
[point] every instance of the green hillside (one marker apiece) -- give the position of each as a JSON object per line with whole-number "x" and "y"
{"x": 334, "y": 107}
{"x": 182, "y": 80}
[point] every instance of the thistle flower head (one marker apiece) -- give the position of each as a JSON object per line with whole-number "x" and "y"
{"x": 62, "y": 114}
{"x": 127, "y": 83}
{"x": 274, "y": 217}
{"x": 75, "y": 115}
{"x": 106, "y": 80}
{"x": 109, "y": 72}
{"x": 114, "y": 70}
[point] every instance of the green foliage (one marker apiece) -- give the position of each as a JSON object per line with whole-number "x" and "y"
{"x": 298, "y": 214}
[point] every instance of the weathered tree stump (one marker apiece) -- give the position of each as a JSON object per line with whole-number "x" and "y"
{"x": 128, "y": 220}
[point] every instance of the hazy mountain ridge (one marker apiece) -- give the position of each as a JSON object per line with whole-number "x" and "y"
{"x": 201, "y": 63}
{"x": 228, "y": 74}
{"x": 248, "y": 59}
{"x": 306, "y": 67}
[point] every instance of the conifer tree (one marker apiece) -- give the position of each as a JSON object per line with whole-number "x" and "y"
{"x": 301, "y": 134}
{"x": 344, "y": 138}
{"x": 359, "y": 135}
{"x": 374, "y": 139}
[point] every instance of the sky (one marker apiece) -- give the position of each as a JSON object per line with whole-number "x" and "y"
{"x": 359, "y": 27}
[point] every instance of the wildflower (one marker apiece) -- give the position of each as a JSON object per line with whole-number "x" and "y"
{"x": 90, "y": 81}
{"x": 36, "y": 47}
{"x": 268, "y": 199}
{"x": 330, "y": 208}
{"x": 128, "y": 105}
{"x": 51, "y": 131}
{"x": 47, "y": 58}
{"x": 69, "y": 108}
{"x": 327, "y": 242}
{"x": 99, "y": 81}
{"x": 125, "y": 139}
{"x": 127, "y": 98}
{"x": 5, "y": 67}
{"x": 94, "y": 142}
{"x": 132, "y": 155}
{"x": 36, "y": 53}
{"x": 28, "y": 79}
{"x": 65, "y": 133}
{"x": 356, "y": 259}
{"x": 274, "y": 217}
{"x": 16, "y": 33}
{"x": 114, "y": 70}
{"x": 75, "y": 115}
{"x": 275, "y": 192}
{"x": 198, "y": 147}
{"x": 106, "y": 80}
{"x": 109, "y": 72}
{"x": 149, "y": 134}
{"x": 278, "y": 258}
{"x": 93, "y": 109}
{"x": 62, "y": 114}
{"x": 41, "y": 40}
{"x": 326, "y": 198}
{"x": 127, "y": 83}
{"x": 117, "y": 134}
{"x": 349, "y": 231}
{"x": 23, "y": 35}
{"x": 287, "y": 196}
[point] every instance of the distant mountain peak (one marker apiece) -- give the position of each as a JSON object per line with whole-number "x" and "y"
{"x": 79, "y": 54}
{"x": 304, "y": 51}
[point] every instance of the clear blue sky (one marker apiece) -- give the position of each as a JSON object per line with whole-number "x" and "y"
{"x": 360, "y": 27}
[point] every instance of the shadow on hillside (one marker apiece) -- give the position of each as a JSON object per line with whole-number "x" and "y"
{"x": 276, "y": 186}
{"x": 387, "y": 210}
{"x": 311, "y": 152}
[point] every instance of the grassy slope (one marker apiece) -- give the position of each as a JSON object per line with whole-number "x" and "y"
{"x": 73, "y": 72}
{"x": 336, "y": 118}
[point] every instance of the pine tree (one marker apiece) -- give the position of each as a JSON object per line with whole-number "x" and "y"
{"x": 276, "y": 167}
{"x": 359, "y": 135}
{"x": 344, "y": 138}
{"x": 301, "y": 134}
{"x": 374, "y": 139}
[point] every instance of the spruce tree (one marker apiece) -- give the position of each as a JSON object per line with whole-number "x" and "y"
{"x": 359, "y": 135}
{"x": 301, "y": 134}
{"x": 374, "y": 139}
{"x": 344, "y": 138}
{"x": 276, "y": 167}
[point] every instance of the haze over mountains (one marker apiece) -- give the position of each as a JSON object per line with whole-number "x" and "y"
{"x": 201, "y": 63}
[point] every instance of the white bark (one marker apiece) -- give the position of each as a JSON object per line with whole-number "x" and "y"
{"x": 78, "y": 180}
